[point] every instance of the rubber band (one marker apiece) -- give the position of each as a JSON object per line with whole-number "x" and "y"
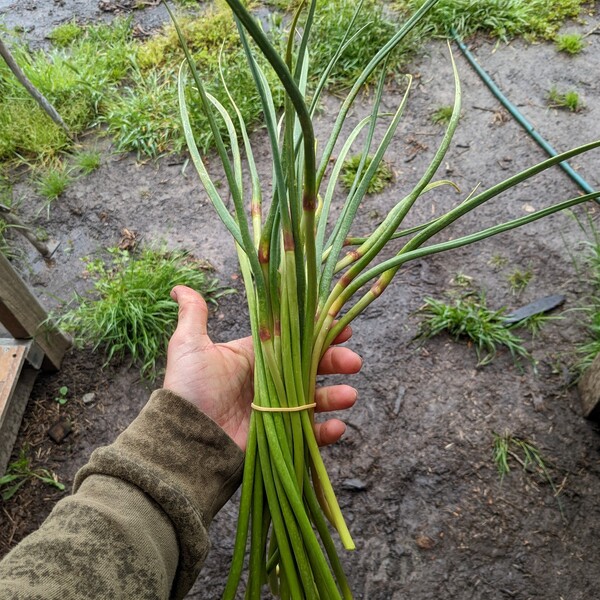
{"x": 282, "y": 408}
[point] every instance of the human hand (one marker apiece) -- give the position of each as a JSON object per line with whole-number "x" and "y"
{"x": 218, "y": 378}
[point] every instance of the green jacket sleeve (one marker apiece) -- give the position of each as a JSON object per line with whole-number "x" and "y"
{"x": 136, "y": 526}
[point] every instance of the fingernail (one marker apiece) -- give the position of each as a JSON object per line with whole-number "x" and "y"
{"x": 174, "y": 294}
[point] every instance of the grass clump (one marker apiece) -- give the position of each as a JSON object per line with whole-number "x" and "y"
{"x": 129, "y": 312}
{"x": 53, "y": 182}
{"x": 87, "y": 161}
{"x": 76, "y": 80}
{"x": 144, "y": 117}
{"x": 503, "y": 19}
{"x": 569, "y": 99}
{"x": 470, "y": 318}
{"x": 20, "y": 471}
{"x": 570, "y": 43}
{"x": 519, "y": 280}
{"x": 442, "y": 115}
{"x": 508, "y": 448}
{"x": 382, "y": 177}
{"x": 332, "y": 20}
{"x": 64, "y": 35}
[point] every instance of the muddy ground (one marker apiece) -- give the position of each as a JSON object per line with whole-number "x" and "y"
{"x": 432, "y": 519}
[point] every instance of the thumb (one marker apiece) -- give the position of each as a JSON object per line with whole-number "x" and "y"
{"x": 193, "y": 312}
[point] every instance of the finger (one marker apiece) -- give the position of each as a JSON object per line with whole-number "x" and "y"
{"x": 335, "y": 397}
{"x": 329, "y": 432}
{"x": 193, "y": 312}
{"x": 343, "y": 336}
{"x": 340, "y": 360}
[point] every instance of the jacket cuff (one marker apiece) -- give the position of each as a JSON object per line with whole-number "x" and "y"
{"x": 182, "y": 459}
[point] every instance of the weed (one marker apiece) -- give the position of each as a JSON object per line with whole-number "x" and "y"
{"x": 87, "y": 161}
{"x": 62, "y": 396}
{"x": 442, "y": 115}
{"x": 469, "y": 317}
{"x": 206, "y": 36}
{"x": 77, "y": 80}
{"x": 535, "y": 323}
{"x": 498, "y": 261}
{"x": 129, "y": 312}
{"x": 331, "y": 22}
{"x": 569, "y": 99}
{"x": 526, "y": 454}
{"x": 501, "y": 18}
{"x": 20, "y": 471}
{"x": 144, "y": 117}
{"x": 462, "y": 280}
{"x": 519, "y": 280}
{"x": 570, "y": 43}
{"x": 383, "y": 175}
{"x": 53, "y": 182}
{"x": 65, "y": 34}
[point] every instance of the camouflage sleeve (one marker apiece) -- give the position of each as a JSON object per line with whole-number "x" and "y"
{"x": 136, "y": 526}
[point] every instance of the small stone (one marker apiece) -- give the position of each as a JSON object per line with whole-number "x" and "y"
{"x": 88, "y": 398}
{"x": 424, "y": 542}
{"x": 354, "y": 485}
{"x": 59, "y": 431}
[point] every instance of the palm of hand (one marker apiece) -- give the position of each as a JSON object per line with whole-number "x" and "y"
{"x": 217, "y": 378}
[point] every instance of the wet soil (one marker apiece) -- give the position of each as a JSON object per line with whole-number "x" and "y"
{"x": 429, "y": 514}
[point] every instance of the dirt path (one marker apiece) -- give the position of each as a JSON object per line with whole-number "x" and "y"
{"x": 431, "y": 518}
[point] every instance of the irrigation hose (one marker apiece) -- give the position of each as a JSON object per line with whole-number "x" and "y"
{"x": 518, "y": 116}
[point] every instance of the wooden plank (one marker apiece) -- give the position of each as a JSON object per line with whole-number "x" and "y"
{"x": 24, "y": 317}
{"x": 12, "y": 358}
{"x": 12, "y": 421}
{"x": 589, "y": 390}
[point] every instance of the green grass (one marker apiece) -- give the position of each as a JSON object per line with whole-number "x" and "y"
{"x": 569, "y": 99}
{"x": 461, "y": 280}
{"x": 469, "y": 317}
{"x": 129, "y": 313}
{"x": 100, "y": 74}
{"x": 20, "y": 471}
{"x": 519, "y": 280}
{"x": 144, "y": 117}
{"x": 64, "y": 35}
{"x": 442, "y": 115}
{"x": 331, "y": 22}
{"x": 525, "y": 453}
{"x": 87, "y": 161}
{"x": 52, "y": 183}
{"x": 498, "y": 261}
{"x": 76, "y": 80}
{"x": 503, "y": 19}
{"x": 382, "y": 178}
{"x": 508, "y": 448}
{"x": 570, "y": 43}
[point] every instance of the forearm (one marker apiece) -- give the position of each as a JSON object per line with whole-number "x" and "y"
{"x": 137, "y": 524}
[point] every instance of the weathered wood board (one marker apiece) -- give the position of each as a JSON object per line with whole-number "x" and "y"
{"x": 16, "y": 381}
{"x": 24, "y": 317}
{"x": 589, "y": 390}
